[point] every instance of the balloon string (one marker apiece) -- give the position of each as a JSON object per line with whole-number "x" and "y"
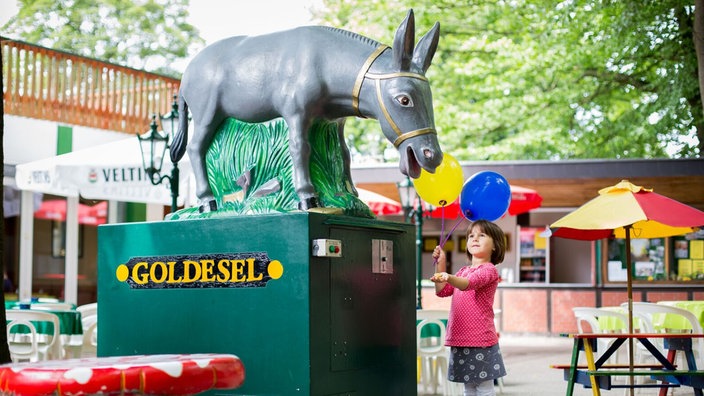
{"x": 442, "y": 243}
{"x": 444, "y": 239}
{"x": 442, "y": 226}
{"x": 442, "y": 236}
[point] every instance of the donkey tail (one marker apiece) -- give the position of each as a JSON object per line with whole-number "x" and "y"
{"x": 178, "y": 145}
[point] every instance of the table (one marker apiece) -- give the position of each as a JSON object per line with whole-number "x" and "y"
{"x": 38, "y": 303}
{"x": 69, "y": 322}
{"x": 177, "y": 375}
{"x": 598, "y": 375}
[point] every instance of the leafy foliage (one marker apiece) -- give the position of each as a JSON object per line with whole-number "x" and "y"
{"x": 550, "y": 80}
{"x": 144, "y": 34}
{"x": 250, "y": 171}
{"x": 526, "y": 79}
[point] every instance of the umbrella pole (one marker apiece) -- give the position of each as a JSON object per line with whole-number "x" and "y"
{"x": 629, "y": 291}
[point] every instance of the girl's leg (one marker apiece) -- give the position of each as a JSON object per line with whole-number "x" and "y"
{"x": 470, "y": 389}
{"x": 486, "y": 388}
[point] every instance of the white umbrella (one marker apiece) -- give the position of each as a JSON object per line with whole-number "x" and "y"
{"x": 111, "y": 171}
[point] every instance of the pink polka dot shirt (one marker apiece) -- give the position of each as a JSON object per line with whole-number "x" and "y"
{"x": 471, "y": 319}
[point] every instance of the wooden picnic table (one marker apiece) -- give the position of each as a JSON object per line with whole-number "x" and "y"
{"x": 598, "y": 374}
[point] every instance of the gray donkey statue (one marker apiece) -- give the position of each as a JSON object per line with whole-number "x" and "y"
{"x": 310, "y": 73}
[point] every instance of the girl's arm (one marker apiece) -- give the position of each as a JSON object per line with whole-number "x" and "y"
{"x": 457, "y": 282}
{"x": 440, "y": 267}
{"x": 441, "y": 277}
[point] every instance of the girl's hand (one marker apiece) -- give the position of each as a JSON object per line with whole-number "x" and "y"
{"x": 440, "y": 259}
{"x": 440, "y": 277}
{"x": 438, "y": 252}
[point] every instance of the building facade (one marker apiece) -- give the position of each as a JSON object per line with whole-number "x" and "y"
{"x": 577, "y": 273}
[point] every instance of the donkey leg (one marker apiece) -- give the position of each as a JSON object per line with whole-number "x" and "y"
{"x": 299, "y": 148}
{"x": 197, "y": 149}
{"x": 345, "y": 151}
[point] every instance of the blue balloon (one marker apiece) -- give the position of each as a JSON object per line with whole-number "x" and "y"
{"x": 486, "y": 195}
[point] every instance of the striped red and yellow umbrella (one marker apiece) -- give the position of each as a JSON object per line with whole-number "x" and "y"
{"x": 628, "y": 211}
{"x": 627, "y": 206}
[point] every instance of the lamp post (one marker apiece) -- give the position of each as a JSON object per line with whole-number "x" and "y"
{"x": 413, "y": 210}
{"x": 153, "y": 146}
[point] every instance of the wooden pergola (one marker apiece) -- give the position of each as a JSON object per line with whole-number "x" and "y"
{"x": 53, "y": 85}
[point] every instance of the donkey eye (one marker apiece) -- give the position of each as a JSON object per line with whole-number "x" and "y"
{"x": 404, "y": 100}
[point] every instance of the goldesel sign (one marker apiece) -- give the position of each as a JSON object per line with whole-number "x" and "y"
{"x": 233, "y": 270}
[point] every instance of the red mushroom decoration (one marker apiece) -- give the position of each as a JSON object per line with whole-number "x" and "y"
{"x": 124, "y": 375}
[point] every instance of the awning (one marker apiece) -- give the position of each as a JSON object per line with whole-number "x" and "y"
{"x": 111, "y": 171}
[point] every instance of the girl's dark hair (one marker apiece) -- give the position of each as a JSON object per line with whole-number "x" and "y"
{"x": 496, "y": 234}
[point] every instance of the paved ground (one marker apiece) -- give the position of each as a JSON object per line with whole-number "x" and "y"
{"x": 528, "y": 362}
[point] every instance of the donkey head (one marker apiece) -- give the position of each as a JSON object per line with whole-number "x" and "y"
{"x": 405, "y": 103}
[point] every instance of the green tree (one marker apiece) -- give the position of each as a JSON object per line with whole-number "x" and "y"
{"x": 550, "y": 79}
{"x": 146, "y": 34}
{"x": 4, "y": 348}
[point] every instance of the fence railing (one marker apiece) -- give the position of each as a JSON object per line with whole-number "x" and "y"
{"x": 54, "y": 85}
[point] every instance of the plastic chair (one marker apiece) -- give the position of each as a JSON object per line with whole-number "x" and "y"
{"x": 33, "y": 346}
{"x": 497, "y": 321}
{"x": 432, "y": 353}
{"x": 681, "y": 322}
{"x": 591, "y": 316}
{"x": 434, "y": 336}
{"x": 86, "y": 344}
{"x": 652, "y": 317}
{"x": 90, "y": 336}
{"x": 88, "y": 309}
{"x": 436, "y": 370}
{"x": 431, "y": 335}
{"x": 22, "y": 347}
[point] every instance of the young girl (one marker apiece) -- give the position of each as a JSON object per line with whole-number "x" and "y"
{"x": 475, "y": 358}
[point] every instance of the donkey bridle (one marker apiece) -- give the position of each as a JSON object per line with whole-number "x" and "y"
{"x": 364, "y": 73}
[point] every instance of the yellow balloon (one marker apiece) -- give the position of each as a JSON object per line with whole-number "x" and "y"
{"x": 442, "y": 187}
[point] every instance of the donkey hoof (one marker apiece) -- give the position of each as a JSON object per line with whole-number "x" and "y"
{"x": 210, "y": 206}
{"x": 308, "y": 203}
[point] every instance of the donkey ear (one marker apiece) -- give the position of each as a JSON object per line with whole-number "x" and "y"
{"x": 423, "y": 54}
{"x": 403, "y": 43}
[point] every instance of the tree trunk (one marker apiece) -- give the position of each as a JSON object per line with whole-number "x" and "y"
{"x": 699, "y": 49}
{"x": 4, "y": 349}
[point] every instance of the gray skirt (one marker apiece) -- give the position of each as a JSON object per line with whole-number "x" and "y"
{"x": 475, "y": 364}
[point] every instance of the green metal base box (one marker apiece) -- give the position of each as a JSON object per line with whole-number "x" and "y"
{"x": 312, "y": 304}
